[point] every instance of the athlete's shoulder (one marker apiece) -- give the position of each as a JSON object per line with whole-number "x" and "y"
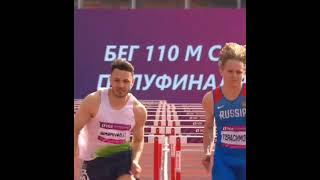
{"x": 92, "y": 97}
{"x": 207, "y": 101}
{"x": 207, "y": 97}
{"x": 140, "y": 111}
{"x": 90, "y": 103}
{"x": 217, "y": 94}
{"x": 138, "y": 106}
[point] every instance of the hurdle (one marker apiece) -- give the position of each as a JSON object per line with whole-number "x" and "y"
{"x": 186, "y": 117}
{"x": 157, "y": 118}
{"x": 174, "y": 123}
{"x": 158, "y": 112}
{"x": 156, "y": 123}
{"x": 159, "y": 163}
{"x": 186, "y": 109}
{"x": 155, "y": 106}
{"x": 183, "y": 130}
{"x": 157, "y": 101}
{"x": 184, "y": 104}
{"x": 179, "y": 113}
{"x": 175, "y": 152}
{"x": 154, "y": 130}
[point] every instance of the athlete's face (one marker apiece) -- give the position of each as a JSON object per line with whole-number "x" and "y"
{"x": 233, "y": 72}
{"x": 121, "y": 82}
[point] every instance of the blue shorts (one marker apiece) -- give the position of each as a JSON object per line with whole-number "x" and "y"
{"x": 228, "y": 168}
{"x": 109, "y": 168}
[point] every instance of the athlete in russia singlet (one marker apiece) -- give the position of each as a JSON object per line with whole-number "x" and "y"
{"x": 230, "y": 148}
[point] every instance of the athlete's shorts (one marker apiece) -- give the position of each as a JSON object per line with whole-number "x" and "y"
{"x": 109, "y": 168}
{"x": 227, "y": 168}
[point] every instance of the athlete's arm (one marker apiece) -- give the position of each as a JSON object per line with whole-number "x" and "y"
{"x": 82, "y": 117}
{"x": 140, "y": 114}
{"x": 207, "y": 104}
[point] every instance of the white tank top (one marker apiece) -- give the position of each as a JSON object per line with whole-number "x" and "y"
{"x": 109, "y": 126}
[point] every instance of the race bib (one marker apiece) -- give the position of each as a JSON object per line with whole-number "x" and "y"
{"x": 233, "y": 137}
{"x": 114, "y": 133}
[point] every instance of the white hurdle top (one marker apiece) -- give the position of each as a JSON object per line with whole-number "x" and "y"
{"x": 150, "y": 138}
{"x": 185, "y": 117}
{"x": 154, "y": 130}
{"x": 183, "y": 130}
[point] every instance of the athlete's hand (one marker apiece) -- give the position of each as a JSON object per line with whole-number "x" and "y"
{"x": 135, "y": 169}
{"x": 206, "y": 162}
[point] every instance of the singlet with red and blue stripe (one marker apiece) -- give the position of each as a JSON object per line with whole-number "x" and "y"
{"x": 230, "y": 119}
